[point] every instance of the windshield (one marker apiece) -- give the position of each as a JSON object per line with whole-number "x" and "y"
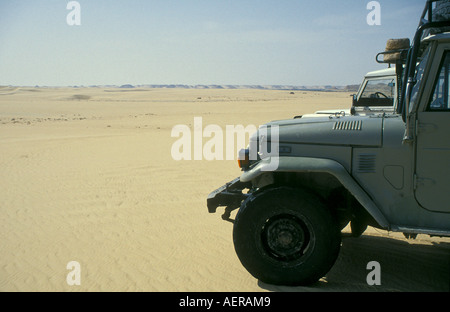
{"x": 420, "y": 68}
{"x": 383, "y": 88}
{"x": 378, "y": 92}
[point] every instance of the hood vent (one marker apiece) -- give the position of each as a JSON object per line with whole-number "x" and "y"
{"x": 355, "y": 125}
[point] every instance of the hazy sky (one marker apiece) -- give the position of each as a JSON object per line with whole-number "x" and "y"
{"x": 295, "y": 42}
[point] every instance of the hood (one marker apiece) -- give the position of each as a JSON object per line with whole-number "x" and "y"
{"x": 342, "y": 130}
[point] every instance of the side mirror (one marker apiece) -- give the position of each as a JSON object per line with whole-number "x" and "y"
{"x": 354, "y": 101}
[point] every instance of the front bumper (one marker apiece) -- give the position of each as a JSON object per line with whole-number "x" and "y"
{"x": 229, "y": 195}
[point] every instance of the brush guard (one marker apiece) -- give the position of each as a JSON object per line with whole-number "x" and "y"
{"x": 229, "y": 195}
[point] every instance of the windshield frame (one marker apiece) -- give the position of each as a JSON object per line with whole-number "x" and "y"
{"x": 421, "y": 70}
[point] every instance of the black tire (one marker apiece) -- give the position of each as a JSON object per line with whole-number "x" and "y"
{"x": 286, "y": 236}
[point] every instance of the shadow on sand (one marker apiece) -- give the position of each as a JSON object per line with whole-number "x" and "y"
{"x": 406, "y": 266}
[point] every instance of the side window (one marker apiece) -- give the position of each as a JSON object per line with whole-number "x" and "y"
{"x": 440, "y": 99}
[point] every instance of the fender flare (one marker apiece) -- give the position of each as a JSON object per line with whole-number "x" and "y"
{"x": 310, "y": 165}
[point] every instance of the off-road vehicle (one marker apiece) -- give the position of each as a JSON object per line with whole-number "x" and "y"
{"x": 390, "y": 171}
{"x": 377, "y": 93}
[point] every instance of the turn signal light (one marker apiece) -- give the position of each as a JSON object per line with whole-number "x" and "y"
{"x": 244, "y": 158}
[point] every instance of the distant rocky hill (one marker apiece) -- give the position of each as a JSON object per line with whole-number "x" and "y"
{"x": 347, "y": 88}
{"x": 324, "y": 88}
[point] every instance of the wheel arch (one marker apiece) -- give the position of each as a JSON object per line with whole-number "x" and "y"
{"x": 308, "y": 165}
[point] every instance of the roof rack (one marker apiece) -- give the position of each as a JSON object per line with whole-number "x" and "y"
{"x": 434, "y": 22}
{"x": 428, "y": 16}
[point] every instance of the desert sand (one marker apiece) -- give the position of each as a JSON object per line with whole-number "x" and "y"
{"x": 86, "y": 175}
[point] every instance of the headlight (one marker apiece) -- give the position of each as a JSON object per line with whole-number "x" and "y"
{"x": 244, "y": 158}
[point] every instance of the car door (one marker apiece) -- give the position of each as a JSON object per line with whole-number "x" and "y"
{"x": 432, "y": 175}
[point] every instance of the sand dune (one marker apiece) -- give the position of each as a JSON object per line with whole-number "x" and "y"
{"x": 86, "y": 175}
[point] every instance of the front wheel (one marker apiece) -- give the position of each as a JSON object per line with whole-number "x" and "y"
{"x": 286, "y": 236}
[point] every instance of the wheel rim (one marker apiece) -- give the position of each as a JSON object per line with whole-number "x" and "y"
{"x": 285, "y": 238}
